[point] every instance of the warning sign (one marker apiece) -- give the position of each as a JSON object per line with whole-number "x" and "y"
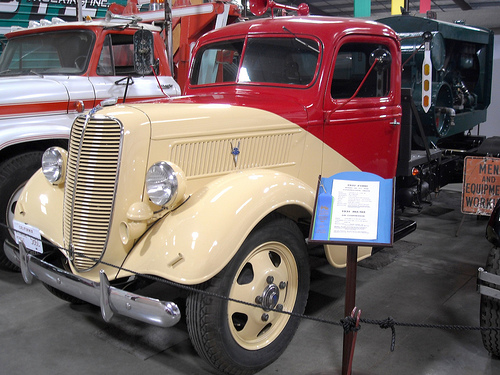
{"x": 481, "y": 188}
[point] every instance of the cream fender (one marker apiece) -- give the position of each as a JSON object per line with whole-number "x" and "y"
{"x": 193, "y": 243}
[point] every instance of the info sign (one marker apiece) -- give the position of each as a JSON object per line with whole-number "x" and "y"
{"x": 481, "y": 186}
{"x": 353, "y": 208}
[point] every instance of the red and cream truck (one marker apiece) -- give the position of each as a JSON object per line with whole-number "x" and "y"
{"x": 213, "y": 192}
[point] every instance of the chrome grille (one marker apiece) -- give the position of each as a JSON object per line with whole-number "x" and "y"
{"x": 214, "y": 156}
{"x": 94, "y": 152}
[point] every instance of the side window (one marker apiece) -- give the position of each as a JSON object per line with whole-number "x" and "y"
{"x": 217, "y": 63}
{"x": 353, "y": 62}
{"x": 117, "y": 56}
{"x": 106, "y": 66}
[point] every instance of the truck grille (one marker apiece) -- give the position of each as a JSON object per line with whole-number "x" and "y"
{"x": 94, "y": 152}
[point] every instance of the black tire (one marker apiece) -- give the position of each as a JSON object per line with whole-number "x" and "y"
{"x": 14, "y": 173}
{"x": 490, "y": 308}
{"x": 236, "y": 338}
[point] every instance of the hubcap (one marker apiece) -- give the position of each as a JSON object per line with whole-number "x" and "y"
{"x": 270, "y": 297}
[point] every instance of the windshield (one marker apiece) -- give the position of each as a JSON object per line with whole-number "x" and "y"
{"x": 65, "y": 52}
{"x": 289, "y": 61}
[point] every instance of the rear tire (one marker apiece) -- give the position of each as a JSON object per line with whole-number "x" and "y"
{"x": 271, "y": 268}
{"x": 490, "y": 308}
{"x": 14, "y": 173}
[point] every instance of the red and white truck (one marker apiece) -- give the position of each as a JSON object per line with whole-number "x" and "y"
{"x": 54, "y": 71}
{"x": 213, "y": 192}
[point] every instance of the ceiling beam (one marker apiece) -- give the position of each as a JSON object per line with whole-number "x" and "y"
{"x": 464, "y": 5}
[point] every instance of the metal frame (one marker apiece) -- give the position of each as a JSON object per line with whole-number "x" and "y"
{"x": 490, "y": 278}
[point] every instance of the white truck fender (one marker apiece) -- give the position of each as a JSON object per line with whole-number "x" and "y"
{"x": 30, "y": 129}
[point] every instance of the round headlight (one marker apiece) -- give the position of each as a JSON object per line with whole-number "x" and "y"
{"x": 53, "y": 164}
{"x": 161, "y": 183}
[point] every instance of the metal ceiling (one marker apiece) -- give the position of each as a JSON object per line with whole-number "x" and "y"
{"x": 485, "y": 13}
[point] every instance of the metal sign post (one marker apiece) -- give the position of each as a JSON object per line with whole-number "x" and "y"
{"x": 350, "y": 308}
{"x": 353, "y": 209}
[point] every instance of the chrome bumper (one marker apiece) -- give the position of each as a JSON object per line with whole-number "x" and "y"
{"x": 490, "y": 278}
{"x": 110, "y": 299}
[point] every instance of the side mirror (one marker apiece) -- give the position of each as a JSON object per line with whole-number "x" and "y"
{"x": 383, "y": 57}
{"x": 143, "y": 51}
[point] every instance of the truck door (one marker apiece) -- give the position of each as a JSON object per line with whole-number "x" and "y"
{"x": 116, "y": 65}
{"x": 362, "y": 104}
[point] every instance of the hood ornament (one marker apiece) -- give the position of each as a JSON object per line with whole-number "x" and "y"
{"x": 235, "y": 152}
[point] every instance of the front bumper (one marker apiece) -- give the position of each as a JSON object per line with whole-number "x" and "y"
{"x": 111, "y": 300}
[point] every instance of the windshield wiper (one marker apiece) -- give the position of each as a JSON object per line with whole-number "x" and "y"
{"x": 36, "y": 73}
{"x": 301, "y": 41}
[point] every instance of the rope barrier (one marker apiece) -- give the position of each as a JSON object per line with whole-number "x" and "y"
{"x": 348, "y": 323}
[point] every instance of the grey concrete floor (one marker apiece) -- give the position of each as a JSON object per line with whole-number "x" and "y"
{"x": 429, "y": 277}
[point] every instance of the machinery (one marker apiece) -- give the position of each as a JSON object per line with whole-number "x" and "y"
{"x": 436, "y": 137}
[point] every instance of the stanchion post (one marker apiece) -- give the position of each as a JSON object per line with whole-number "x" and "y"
{"x": 350, "y": 301}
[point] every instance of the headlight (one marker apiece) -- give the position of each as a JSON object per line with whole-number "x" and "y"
{"x": 165, "y": 184}
{"x": 53, "y": 164}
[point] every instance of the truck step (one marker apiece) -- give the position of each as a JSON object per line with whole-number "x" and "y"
{"x": 403, "y": 227}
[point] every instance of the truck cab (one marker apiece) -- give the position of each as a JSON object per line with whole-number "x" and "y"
{"x": 51, "y": 73}
{"x": 309, "y": 71}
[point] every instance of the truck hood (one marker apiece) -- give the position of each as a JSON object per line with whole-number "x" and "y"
{"x": 283, "y": 103}
{"x": 32, "y": 95}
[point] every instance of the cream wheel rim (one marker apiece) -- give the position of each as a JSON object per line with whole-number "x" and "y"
{"x": 268, "y": 277}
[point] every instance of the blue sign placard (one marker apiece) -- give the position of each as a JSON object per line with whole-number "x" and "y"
{"x": 354, "y": 208}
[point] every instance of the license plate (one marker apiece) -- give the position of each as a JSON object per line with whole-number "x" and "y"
{"x": 29, "y": 235}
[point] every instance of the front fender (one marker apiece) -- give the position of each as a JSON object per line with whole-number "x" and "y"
{"x": 41, "y": 205}
{"x": 193, "y": 243}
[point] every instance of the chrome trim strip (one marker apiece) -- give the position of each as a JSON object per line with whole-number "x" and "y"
{"x": 25, "y": 271}
{"x": 114, "y": 300}
{"x": 78, "y": 157}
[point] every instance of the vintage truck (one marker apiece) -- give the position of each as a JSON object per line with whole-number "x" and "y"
{"x": 213, "y": 193}
{"x": 51, "y": 73}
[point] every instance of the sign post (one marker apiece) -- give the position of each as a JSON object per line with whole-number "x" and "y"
{"x": 353, "y": 209}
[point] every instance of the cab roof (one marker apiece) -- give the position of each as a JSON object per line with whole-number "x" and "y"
{"x": 99, "y": 23}
{"x": 325, "y": 28}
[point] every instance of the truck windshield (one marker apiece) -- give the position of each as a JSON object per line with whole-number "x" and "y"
{"x": 289, "y": 61}
{"x": 66, "y": 52}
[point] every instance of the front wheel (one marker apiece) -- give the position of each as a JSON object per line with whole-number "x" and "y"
{"x": 14, "y": 173}
{"x": 270, "y": 269}
{"x": 490, "y": 308}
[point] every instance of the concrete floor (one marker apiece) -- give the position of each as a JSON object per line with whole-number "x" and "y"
{"x": 429, "y": 277}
